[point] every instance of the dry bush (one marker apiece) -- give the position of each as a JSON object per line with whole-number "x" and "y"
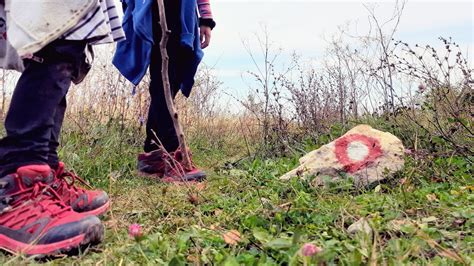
{"x": 442, "y": 107}
{"x": 364, "y": 79}
{"x": 105, "y": 98}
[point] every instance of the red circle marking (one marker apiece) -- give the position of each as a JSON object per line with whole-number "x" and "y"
{"x": 342, "y": 144}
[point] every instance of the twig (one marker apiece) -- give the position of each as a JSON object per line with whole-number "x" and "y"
{"x": 166, "y": 84}
{"x": 245, "y": 137}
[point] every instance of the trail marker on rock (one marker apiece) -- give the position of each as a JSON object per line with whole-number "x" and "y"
{"x": 363, "y": 153}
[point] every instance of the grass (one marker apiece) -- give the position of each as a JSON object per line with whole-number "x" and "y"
{"x": 424, "y": 216}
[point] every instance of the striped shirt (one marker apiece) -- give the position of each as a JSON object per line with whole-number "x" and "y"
{"x": 204, "y": 7}
{"x": 101, "y": 25}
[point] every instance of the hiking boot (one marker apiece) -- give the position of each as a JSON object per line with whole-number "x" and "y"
{"x": 93, "y": 202}
{"x": 168, "y": 167}
{"x": 152, "y": 163}
{"x": 35, "y": 221}
{"x": 178, "y": 171}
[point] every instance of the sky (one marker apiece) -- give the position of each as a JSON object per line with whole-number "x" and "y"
{"x": 304, "y": 26}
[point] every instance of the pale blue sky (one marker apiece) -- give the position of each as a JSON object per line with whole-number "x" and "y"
{"x": 302, "y": 26}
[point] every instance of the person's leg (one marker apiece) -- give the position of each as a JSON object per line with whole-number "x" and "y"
{"x": 53, "y": 158}
{"x": 160, "y": 124}
{"x": 39, "y": 91}
{"x": 95, "y": 202}
{"x": 33, "y": 220}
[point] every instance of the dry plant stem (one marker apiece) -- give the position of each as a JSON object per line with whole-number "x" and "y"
{"x": 173, "y": 163}
{"x": 166, "y": 84}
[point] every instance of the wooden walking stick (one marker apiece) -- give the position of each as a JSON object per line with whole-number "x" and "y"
{"x": 166, "y": 84}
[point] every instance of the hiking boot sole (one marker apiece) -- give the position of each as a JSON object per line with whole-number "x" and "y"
{"x": 92, "y": 235}
{"x": 99, "y": 211}
{"x": 196, "y": 177}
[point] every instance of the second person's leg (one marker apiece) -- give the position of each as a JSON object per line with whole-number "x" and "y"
{"x": 160, "y": 128}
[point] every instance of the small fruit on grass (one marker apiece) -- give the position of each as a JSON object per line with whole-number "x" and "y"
{"x": 310, "y": 249}
{"x": 135, "y": 231}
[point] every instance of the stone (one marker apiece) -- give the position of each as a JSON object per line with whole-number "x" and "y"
{"x": 364, "y": 154}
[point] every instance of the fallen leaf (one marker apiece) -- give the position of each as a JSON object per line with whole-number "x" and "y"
{"x": 432, "y": 197}
{"x": 360, "y": 226}
{"x": 111, "y": 223}
{"x": 396, "y": 225}
{"x": 231, "y": 237}
{"x": 430, "y": 219}
{"x": 377, "y": 189}
{"x": 285, "y": 206}
{"x": 200, "y": 186}
{"x": 470, "y": 188}
{"x": 193, "y": 258}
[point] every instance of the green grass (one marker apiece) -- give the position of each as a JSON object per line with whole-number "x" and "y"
{"x": 426, "y": 219}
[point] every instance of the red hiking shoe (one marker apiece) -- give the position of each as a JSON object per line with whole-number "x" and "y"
{"x": 168, "y": 167}
{"x": 180, "y": 171}
{"x": 93, "y": 202}
{"x": 152, "y": 163}
{"x": 35, "y": 221}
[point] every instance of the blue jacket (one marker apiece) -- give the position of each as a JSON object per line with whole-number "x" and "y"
{"x": 133, "y": 55}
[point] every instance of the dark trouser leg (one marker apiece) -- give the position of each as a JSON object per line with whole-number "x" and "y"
{"x": 53, "y": 159}
{"x": 31, "y": 117}
{"x": 160, "y": 124}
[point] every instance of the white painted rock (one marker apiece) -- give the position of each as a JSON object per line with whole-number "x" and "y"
{"x": 363, "y": 153}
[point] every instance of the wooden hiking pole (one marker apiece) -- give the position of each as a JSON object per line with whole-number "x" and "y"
{"x": 166, "y": 84}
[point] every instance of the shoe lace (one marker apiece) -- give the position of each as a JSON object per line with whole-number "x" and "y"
{"x": 69, "y": 175}
{"x": 41, "y": 195}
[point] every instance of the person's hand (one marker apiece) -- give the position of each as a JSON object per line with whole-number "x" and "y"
{"x": 205, "y": 35}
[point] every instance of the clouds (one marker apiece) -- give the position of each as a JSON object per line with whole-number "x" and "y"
{"x": 302, "y": 26}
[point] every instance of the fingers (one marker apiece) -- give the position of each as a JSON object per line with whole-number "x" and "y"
{"x": 205, "y": 37}
{"x": 206, "y": 41}
{"x": 201, "y": 37}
